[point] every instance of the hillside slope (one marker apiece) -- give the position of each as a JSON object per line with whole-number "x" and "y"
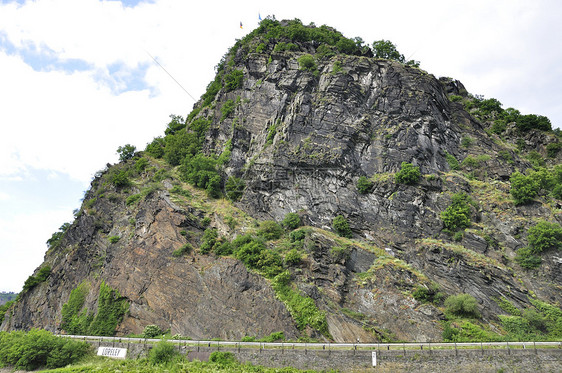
{"x": 303, "y": 124}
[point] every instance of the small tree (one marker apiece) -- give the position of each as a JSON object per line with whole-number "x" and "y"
{"x": 306, "y": 62}
{"x": 462, "y": 305}
{"x": 126, "y": 152}
{"x": 457, "y": 215}
{"x": 387, "y": 50}
{"x": 152, "y": 331}
{"x": 341, "y": 226}
{"x": 364, "y": 185}
{"x": 408, "y": 174}
{"x": 292, "y": 221}
{"x": 523, "y": 188}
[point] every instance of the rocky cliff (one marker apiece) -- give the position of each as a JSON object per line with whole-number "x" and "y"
{"x": 295, "y": 120}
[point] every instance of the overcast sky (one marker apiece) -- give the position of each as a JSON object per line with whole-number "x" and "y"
{"x": 77, "y": 81}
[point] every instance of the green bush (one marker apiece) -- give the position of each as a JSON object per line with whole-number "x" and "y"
{"x": 126, "y": 152}
{"x": 42, "y": 275}
{"x": 222, "y": 358}
{"x": 307, "y": 62}
{"x": 132, "y": 199}
{"x": 4, "y": 308}
{"x": 364, "y": 185}
{"x": 457, "y": 215}
{"x": 545, "y": 236}
{"x": 208, "y": 240}
{"x": 163, "y": 352}
{"x": 39, "y": 349}
{"x": 387, "y": 50}
{"x": 452, "y": 162}
{"x": 113, "y": 239}
{"x": 528, "y": 122}
{"x": 463, "y": 305}
{"x": 119, "y": 179}
{"x": 234, "y": 188}
{"x": 408, "y": 174}
{"x": 526, "y": 258}
{"x": 233, "y": 80}
{"x": 293, "y": 257}
{"x": 227, "y": 109}
{"x": 291, "y": 221}
{"x": 553, "y": 148}
{"x": 152, "y": 331}
{"x": 341, "y": 226}
{"x": 523, "y": 188}
{"x": 56, "y": 237}
{"x": 428, "y": 294}
{"x": 270, "y": 230}
{"x": 156, "y": 147}
{"x": 298, "y": 235}
{"x": 183, "y": 250}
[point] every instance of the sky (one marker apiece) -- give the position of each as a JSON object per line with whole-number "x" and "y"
{"x": 78, "y": 80}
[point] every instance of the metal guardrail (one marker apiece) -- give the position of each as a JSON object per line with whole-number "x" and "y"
{"x": 326, "y": 346}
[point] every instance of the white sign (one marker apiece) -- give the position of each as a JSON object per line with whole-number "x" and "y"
{"x": 116, "y": 353}
{"x": 374, "y": 357}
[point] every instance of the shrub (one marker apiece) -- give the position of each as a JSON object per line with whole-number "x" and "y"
{"x": 183, "y": 250}
{"x": 523, "y": 188}
{"x": 270, "y": 230}
{"x": 464, "y": 305}
{"x": 408, "y": 174}
{"x": 224, "y": 248}
{"x": 114, "y": 239}
{"x": 163, "y": 352}
{"x": 297, "y": 235}
{"x": 39, "y": 348}
{"x": 227, "y": 109}
{"x": 428, "y": 294}
{"x": 553, "y": 148}
{"x": 156, "y": 147}
{"x": 387, "y": 50}
{"x": 457, "y": 215}
{"x": 341, "y": 226}
{"x": 111, "y": 308}
{"x": 208, "y": 240}
{"x": 467, "y": 141}
{"x": 307, "y": 62}
{"x": 126, "y": 152}
{"x": 544, "y": 236}
{"x": 452, "y": 161}
{"x": 222, "y": 358}
{"x": 120, "y": 179}
{"x": 364, "y": 185}
{"x": 531, "y": 121}
{"x": 293, "y": 257}
{"x": 234, "y": 188}
{"x": 176, "y": 124}
{"x": 42, "y": 275}
{"x": 132, "y": 199}
{"x": 233, "y": 80}
{"x": 152, "y": 331}
{"x": 291, "y": 221}
{"x": 56, "y": 237}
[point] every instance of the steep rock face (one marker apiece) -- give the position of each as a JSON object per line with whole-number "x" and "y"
{"x": 300, "y": 138}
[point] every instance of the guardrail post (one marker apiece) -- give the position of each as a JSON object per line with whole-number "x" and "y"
{"x": 535, "y": 346}
{"x": 481, "y": 348}
{"x": 456, "y": 351}
{"x": 197, "y": 346}
{"x": 508, "y": 349}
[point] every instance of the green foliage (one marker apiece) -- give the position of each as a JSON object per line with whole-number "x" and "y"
{"x": 42, "y": 275}
{"x": 553, "y": 148}
{"x": 227, "y": 109}
{"x": 111, "y": 309}
{"x": 341, "y": 226}
{"x": 223, "y": 248}
{"x": 293, "y": 257}
{"x": 387, "y": 50}
{"x": 526, "y": 258}
{"x": 201, "y": 172}
{"x": 291, "y": 221}
{"x": 271, "y": 132}
{"x": 119, "y": 178}
{"x": 176, "y": 124}
{"x": 525, "y": 123}
{"x": 233, "y": 80}
{"x": 270, "y": 230}
{"x": 4, "y": 308}
{"x": 282, "y": 47}
{"x": 38, "y": 349}
{"x": 152, "y": 331}
{"x": 364, "y": 185}
{"x": 273, "y": 337}
{"x": 176, "y": 189}
{"x": 507, "y": 306}
{"x": 133, "y": 198}
{"x": 126, "y": 152}
{"x": 543, "y": 322}
{"x": 156, "y": 147}
{"x": 113, "y": 239}
{"x": 469, "y": 332}
{"x": 208, "y": 240}
{"x": 180, "y": 145}
{"x": 523, "y": 188}
{"x": 457, "y": 215}
{"x": 234, "y": 188}
{"x": 302, "y": 309}
{"x": 163, "y": 352}
{"x": 463, "y": 305}
{"x": 428, "y": 294}
{"x": 212, "y": 89}
{"x": 57, "y": 237}
{"x": 545, "y": 236}
{"x": 183, "y": 250}
{"x": 408, "y": 174}
{"x": 307, "y": 62}
{"x": 224, "y": 358}
{"x": 298, "y": 235}
{"x": 110, "y": 312}
{"x": 452, "y": 162}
